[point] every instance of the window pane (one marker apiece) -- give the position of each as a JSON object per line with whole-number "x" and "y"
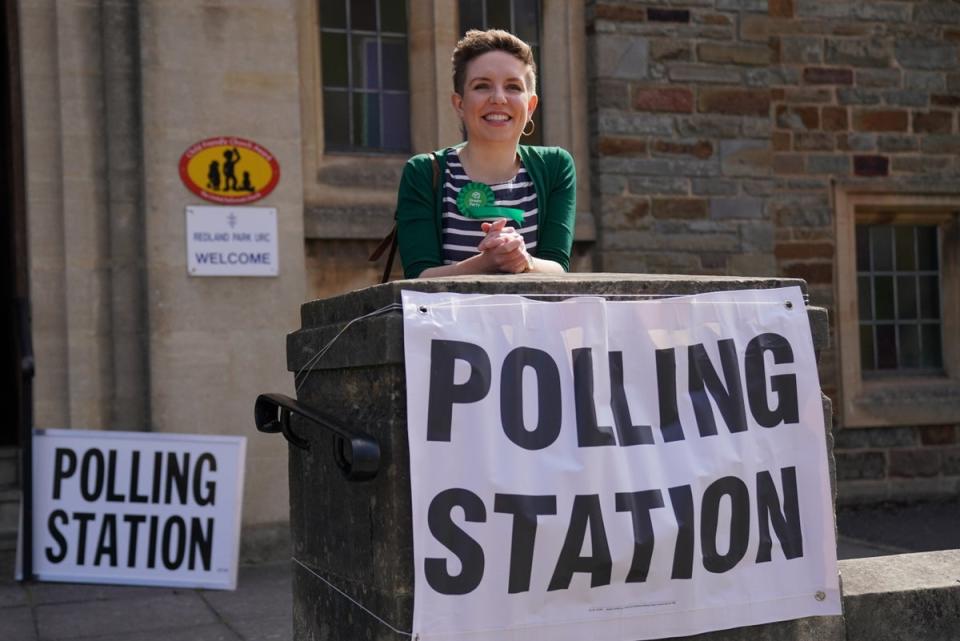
{"x": 863, "y": 248}
{"x": 336, "y": 123}
{"x": 363, "y": 15}
{"x": 929, "y": 297}
{"x": 866, "y": 348}
{"x": 883, "y": 291}
{"x": 333, "y": 14}
{"x": 927, "y": 247}
{"x": 366, "y": 73}
{"x": 471, "y": 15}
{"x": 396, "y": 118}
{"x": 931, "y": 355}
{"x": 909, "y": 346}
{"x": 526, "y": 20}
{"x": 881, "y": 243}
{"x": 393, "y": 16}
{"x": 906, "y": 297}
{"x": 366, "y": 119}
{"x": 886, "y": 347}
{"x": 333, "y": 48}
{"x": 395, "y": 63}
{"x": 864, "y": 298}
{"x": 498, "y": 15}
{"x": 906, "y": 258}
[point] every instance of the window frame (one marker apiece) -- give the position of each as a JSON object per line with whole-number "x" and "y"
{"x": 333, "y": 210}
{"x": 906, "y": 400}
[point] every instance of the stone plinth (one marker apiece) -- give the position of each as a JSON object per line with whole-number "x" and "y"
{"x": 358, "y": 536}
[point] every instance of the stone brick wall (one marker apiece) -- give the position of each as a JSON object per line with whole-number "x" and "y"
{"x": 719, "y": 126}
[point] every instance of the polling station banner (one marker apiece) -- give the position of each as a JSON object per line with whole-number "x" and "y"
{"x": 612, "y": 471}
{"x": 137, "y": 508}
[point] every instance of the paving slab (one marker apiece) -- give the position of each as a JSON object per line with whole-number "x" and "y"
{"x": 264, "y": 591}
{"x": 92, "y": 618}
{"x": 17, "y": 623}
{"x": 49, "y": 593}
{"x": 271, "y": 629}
{"x": 213, "y": 632}
{"x": 12, "y": 595}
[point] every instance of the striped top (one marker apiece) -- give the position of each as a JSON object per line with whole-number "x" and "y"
{"x": 461, "y": 235}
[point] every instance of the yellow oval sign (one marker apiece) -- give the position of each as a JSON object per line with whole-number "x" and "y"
{"x": 229, "y": 170}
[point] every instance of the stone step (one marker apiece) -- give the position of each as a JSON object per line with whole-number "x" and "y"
{"x": 9, "y": 512}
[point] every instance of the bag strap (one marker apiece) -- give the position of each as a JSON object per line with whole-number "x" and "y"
{"x": 390, "y": 240}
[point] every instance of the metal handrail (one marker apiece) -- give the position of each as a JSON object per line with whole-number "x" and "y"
{"x": 356, "y": 454}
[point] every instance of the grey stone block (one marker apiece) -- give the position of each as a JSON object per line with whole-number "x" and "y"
{"x": 710, "y": 126}
{"x": 745, "y": 157}
{"x": 894, "y": 142}
{"x": 713, "y": 187}
{"x": 883, "y": 437}
{"x": 687, "y": 72}
{"x": 726, "y": 208}
{"x": 879, "y": 11}
{"x": 862, "y": 142}
{"x": 644, "y": 185}
{"x": 868, "y": 52}
{"x": 926, "y": 54}
{"x": 906, "y": 97}
{"x": 757, "y": 236}
{"x": 933, "y": 81}
{"x": 801, "y": 49}
{"x": 856, "y": 96}
{"x": 612, "y": 121}
{"x": 905, "y": 596}
{"x": 828, "y": 164}
{"x": 937, "y": 13}
{"x": 878, "y": 77}
{"x": 860, "y": 465}
{"x": 622, "y": 57}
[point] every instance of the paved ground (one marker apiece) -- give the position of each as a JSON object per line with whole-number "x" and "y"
{"x": 260, "y": 610}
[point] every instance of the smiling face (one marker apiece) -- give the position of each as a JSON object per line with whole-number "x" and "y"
{"x": 497, "y": 98}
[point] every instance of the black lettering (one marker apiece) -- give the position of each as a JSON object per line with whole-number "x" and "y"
{"x": 177, "y": 476}
{"x": 152, "y": 543}
{"x": 525, "y": 510}
{"x": 639, "y": 505}
{"x": 727, "y": 394}
{"x": 589, "y": 433}
{"x": 82, "y": 518}
{"x": 95, "y": 455}
{"x": 786, "y": 523}
{"x": 134, "y": 520}
{"x": 627, "y": 432}
{"x": 157, "y": 476}
{"x": 199, "y": 496}
{"x": 201, "y": 540}
{"x": 443, "y": 392}
{"x": 549, "y": 415}
{"x": 736, "y": 489}
{"x": 670, "y": 426}
{"x": 65, "y": 465}
{"x": 58, "y": 515}
{"x": 107, "y": 542}
{"x": 585, "y": 513}
{"x": 784, "y": 386}
{"x": 681, "y": 500}
{"x": 174, "y": 547}
{"x": 449, "y": 534}
{"x": 112, "y": 496}
{"x": 135, "y": 479}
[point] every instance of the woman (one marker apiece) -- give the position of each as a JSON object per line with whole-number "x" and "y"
{"x": 489, "y": 205}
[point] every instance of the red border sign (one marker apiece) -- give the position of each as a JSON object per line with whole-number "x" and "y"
{"x": 229, "y": 199}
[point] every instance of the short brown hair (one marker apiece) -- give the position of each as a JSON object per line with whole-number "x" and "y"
{"x": 476, "y": 43}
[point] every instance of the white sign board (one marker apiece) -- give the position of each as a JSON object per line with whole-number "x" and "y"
{"x": 137, "y": 508}
{"x": 232, "y": 241}
{"x": 615, "y": 471}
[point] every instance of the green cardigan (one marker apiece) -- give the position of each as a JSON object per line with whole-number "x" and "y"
{"x": 419, "y": 207}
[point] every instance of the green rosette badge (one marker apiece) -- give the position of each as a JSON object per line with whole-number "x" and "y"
{"x": 476, "y": 201}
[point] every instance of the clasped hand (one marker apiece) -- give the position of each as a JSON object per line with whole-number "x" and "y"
{"x": 505, "y": 248}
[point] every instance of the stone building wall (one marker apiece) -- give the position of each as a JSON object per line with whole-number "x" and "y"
{"x": 720, "y": 130}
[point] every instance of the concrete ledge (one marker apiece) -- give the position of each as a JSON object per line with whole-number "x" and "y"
{"x": 913, "y": 597}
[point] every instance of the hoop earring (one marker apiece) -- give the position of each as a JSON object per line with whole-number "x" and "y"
{"x": 533, "y": 128}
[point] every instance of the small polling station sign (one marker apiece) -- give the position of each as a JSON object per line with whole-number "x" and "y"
{"x": 232, "y": 241}
{"x": 137, "y": 508}
{"x": 615, "y": 470}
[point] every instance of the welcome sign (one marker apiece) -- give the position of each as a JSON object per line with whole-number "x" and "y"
{"x": 615, "y": 470}
{"x": 137, "y": 508}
